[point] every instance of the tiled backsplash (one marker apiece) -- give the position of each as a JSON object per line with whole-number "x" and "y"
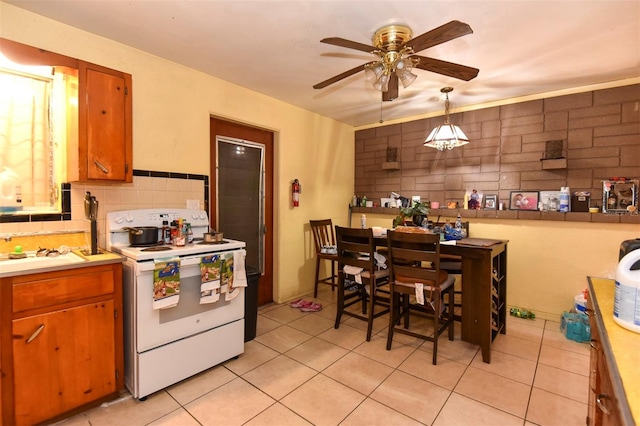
{"x": 167, "y": 190}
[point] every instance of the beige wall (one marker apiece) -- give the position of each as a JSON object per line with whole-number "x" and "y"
{"x": 171, "y": 109}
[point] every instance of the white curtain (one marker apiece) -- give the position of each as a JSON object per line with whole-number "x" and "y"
{"x": 25, "y": 136}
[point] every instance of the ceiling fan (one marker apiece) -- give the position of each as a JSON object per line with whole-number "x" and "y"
{"x": 395, "y": 48}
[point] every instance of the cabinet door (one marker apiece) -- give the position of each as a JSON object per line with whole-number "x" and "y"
{"x": 62, "y": 360}
{"x": 105, "y": 148}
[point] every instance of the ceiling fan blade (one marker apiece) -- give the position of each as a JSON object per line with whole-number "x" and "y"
{"x": 446, "y": 32}
{"x": 450, "y": 69}
{"x": 337, "y": 41}
{"x": 392, "y": 90}
{"x": 339, "y": 77}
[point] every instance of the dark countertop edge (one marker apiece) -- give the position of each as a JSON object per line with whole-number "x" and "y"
{"x": 75, "y": 265}
{"x": 616, "y": 380}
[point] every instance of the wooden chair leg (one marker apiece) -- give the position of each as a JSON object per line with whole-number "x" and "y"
{"x": 436, "y": 323}
{"x": 450, "y": 314}
{"x": 315, "y": 285}
{"x": 393, "y": 316}
{"x": 340, "y": 307}
{"x": 333, "y": 275}
{"x": 371, "y": 303}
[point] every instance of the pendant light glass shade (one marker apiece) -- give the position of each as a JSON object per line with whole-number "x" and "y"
{"x": 446, "y": 136}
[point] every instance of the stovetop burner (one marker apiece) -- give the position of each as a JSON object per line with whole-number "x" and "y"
{"x": 212, "y": 242}
{"x": 157, "y": 248}
{"x": 158, "y": 244}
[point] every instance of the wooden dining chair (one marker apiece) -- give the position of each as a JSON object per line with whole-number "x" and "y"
{"x": 414, "y": 259}
{"x": 359, "y": 279}
{"x": 453, "y": 265}
{"x": 323, "y": 237}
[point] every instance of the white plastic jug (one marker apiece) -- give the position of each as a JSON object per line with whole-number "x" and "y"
{"x": 626, "y": 305}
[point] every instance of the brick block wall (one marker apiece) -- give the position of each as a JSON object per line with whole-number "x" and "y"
{"x": 600, "y": 131}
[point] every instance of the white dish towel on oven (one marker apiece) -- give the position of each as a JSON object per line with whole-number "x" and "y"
{"x": 210, "y": 267}
{"x": 239, "y": 275}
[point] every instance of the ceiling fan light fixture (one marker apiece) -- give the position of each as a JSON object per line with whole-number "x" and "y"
{"x": 447, "y": 135}
{"x": 405, "y": 77}
{"x": 373, "y": 72}
{"x": 382, "y": 84}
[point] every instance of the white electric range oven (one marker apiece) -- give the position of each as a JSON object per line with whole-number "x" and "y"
{"x": 164, "y": 346}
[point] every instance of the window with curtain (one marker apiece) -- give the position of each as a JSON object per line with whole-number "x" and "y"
{"x": 27, "y": 143}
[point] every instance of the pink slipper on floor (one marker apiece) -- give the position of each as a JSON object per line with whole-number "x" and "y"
{"x": 299, "y": 303}
{"x": 312, "y": 307}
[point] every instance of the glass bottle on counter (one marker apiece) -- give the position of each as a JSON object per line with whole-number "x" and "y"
{"x": 189, "y": 233}
{"x": 166, "y": 232}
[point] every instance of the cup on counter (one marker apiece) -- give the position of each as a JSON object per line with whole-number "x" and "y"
{"x": 435, "y": 205}
{"x": 369, "y": 203}
{"x": 594, "y": 209}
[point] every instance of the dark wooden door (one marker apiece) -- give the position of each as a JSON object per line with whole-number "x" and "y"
{"x": 265, "y": 138}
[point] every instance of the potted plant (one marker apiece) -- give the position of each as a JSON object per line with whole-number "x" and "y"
{"x": 418, "y": 211}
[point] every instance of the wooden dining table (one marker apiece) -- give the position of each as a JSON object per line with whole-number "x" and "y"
{"x": 484, "y": 288}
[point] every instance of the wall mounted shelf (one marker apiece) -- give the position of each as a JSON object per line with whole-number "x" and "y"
{"x": 513, "y": 214}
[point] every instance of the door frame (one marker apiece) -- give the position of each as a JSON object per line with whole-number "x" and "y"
{"x": 233, "y": 130}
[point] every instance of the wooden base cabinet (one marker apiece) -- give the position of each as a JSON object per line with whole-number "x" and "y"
{"x": 608, "y": 403}
{"x": 62, "y": 352}
{"x": 603, "y": 405}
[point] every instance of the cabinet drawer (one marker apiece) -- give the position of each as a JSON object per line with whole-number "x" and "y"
{"x": 54, "y": 288}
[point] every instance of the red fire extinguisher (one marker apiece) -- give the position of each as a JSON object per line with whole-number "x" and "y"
{"x": 295, "y": 192}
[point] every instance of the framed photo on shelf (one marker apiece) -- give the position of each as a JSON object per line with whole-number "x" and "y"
{"x": 619, "y": 196}
{"x": 550, "y": 200}
{"x": 490, "y": 202}
{"x": 523, "y": 200}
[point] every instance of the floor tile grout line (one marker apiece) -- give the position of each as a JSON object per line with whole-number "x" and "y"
{"x": 526, "y": 411}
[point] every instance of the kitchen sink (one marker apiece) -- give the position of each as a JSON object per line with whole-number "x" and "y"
{"x": 33, "y": 262}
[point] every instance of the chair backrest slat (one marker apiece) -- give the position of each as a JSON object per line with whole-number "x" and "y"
{"x": 323, "y": 233}
{"x": 414, "y": 255}
{"x": 354, "y": 245}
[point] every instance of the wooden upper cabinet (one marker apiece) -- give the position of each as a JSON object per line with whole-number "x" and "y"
{"x": 104, "y": 149}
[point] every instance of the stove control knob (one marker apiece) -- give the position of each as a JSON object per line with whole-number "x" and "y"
{"x": 118, "y": 219}
{"x": 194, "y": 215}
{"x": 129, "y": 217}
{"x": 203, "y": 216}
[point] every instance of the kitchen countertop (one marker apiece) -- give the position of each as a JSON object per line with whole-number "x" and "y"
{"x": 621, "y": 346}
{"x": 74, "y": 259}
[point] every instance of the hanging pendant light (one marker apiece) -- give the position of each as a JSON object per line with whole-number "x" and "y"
{"x": 447, "y": 135}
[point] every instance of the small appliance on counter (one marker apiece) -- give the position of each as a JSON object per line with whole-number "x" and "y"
{"x": 626, "y": 304}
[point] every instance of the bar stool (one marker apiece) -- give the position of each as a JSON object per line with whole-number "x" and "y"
{"x": 325, "y": 242}
{"x": 360, "y": 280}
{"x": 414, "y": 259}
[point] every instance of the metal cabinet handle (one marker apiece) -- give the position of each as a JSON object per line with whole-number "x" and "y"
{"x": 35, "y": 333}
{"x": 101, "y": 167}
{"x": 602, "y": 404}
{"x": 594, "y": 344}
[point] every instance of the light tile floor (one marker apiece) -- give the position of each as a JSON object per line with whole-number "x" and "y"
{"x": 299, "y": 370}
